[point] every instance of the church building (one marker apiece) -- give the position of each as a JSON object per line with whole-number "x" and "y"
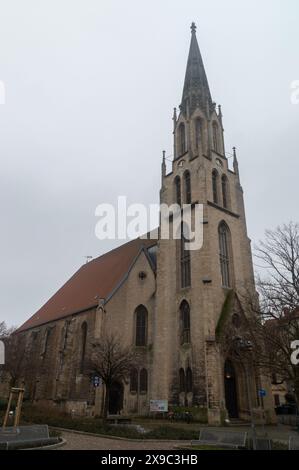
{"x": 170, "y": 305}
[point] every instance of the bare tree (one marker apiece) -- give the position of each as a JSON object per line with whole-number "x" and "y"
{"x": 5, "y": 332}
{"x": 14, "y": 358}
{"x": 2, "y": 329}
{"x": 111, "y": 361}
{"x": 275, "y": 326}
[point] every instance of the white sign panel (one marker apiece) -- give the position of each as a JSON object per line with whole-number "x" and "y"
{"x": 160, "y": 406}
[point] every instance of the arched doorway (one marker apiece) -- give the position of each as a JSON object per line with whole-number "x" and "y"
{"x": 116, "y": 398}
{"x": 230, "y": 386}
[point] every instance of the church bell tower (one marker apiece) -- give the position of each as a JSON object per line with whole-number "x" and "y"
{"x": 194, "y": 288}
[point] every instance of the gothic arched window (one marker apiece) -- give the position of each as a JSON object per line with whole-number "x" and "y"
{"x": 198, "y": 132}
{"x": 83, "y": 345}
{"x": 187, "y": 187}
{"x": 141, "y": 326}
{"x": 185, "y": 322}
{"x": 182, "y": 139}
{"x": 215, "y": 186}
{"x": 215, "y": 137}
{"x": 182, "y": 380}
{"x": 177, "y": 188}
{"x": 143, "y": 381}
{"x": 134, "y": 380}
{"x": 189, "y": 380}
{"x": 225, "y": 254}
{"x": 185, "y": 259}
{"x": 225, "y": 193}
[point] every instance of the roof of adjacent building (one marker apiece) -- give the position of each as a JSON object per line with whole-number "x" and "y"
{"x": 96, "y": 280}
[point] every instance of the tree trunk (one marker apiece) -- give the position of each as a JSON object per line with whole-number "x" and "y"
{"x": 296, "y": 390}
{"x": 106, "y": 402}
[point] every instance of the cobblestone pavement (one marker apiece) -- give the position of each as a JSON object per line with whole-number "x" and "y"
{"x": 83, "y": 442}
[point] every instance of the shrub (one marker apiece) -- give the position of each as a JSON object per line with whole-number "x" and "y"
{"x": 167, "y": 432}
{"x": 199, "y": 413}
{"x": 32, "y": 414}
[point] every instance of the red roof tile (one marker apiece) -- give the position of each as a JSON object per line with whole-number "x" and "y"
{"x": 93, "y": 281}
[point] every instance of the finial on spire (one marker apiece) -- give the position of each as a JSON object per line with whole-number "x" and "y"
{"x": 193, "y": 28}
{"x": 220, "y": 114}
{"x": 235, "y": 164}
{"x": 163, "y": 165}
{"x": 174, "y": 117}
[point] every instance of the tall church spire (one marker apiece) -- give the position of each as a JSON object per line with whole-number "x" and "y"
{"x": 196, "y": 92}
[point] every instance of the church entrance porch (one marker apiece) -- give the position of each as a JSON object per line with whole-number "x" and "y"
{"x": 230, "y": 387}
{"x": 116, "y": 398}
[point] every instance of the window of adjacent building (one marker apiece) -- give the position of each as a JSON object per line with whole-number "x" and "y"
{"x": 182, "y": 139}
{"x": 134, "y": 380}
{"x": 224, "y": 182}
{"x": 143, "y": 381}
{"x": 182, "y": 380}
{"x": 215, "y": 137}
{"x": 141, "y": 326}
{"x": 177, "y": 187}
{"x": 83, "y": 345}
{"x": 189, "y": 381}
{"x": 187, "y": 187}
{"x": 215, "y": 186}
{"x": 185, "y": 259}
{"x": 185, "y": 322}
{"x": 225, "y": 254}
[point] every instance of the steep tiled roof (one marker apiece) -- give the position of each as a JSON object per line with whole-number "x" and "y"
{"x": 95, "y": 280}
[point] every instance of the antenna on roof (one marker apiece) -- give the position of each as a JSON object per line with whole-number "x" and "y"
{"x": 87, "y": 258}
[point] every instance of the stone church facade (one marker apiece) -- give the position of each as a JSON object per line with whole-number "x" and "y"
{"x": 166, "y": 302}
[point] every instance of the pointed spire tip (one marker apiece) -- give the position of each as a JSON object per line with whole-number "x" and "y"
{"x": 196, "y": 88}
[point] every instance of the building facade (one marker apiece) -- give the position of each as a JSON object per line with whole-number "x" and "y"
{"x": 169, "y": 304}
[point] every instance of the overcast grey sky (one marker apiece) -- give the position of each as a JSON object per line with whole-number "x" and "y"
{"x": 90, "y": 88}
